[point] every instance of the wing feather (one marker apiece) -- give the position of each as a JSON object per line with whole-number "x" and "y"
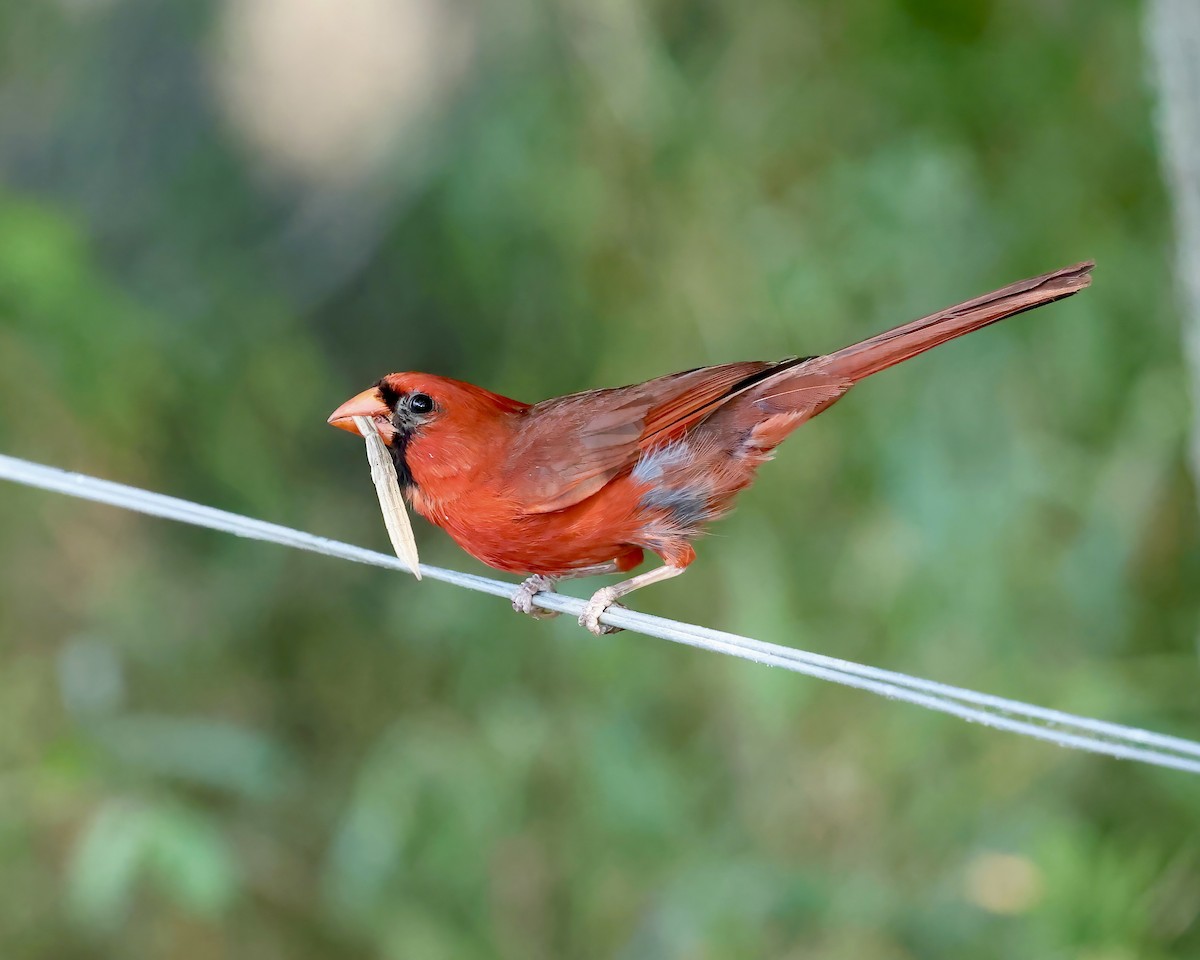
{"x": 572, "y": 446}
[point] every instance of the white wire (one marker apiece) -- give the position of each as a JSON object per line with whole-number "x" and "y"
{"x": 1054, "y": 726}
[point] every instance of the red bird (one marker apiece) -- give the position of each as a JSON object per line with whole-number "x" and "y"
{"x": 584, "y": 484}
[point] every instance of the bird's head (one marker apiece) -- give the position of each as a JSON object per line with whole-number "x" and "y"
{"x": 435, "y": 415}
{"x": 400, "y": 405}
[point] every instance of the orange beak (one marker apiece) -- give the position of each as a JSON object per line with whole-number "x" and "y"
{"x": 366, "y": 404}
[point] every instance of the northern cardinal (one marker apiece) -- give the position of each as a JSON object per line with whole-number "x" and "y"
{"x": 583, "y": 484}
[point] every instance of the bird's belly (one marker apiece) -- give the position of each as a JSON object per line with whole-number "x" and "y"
{"x": 537, "y": 545}
{"x": 551, "y": 556}
{"x": 655, "y": 507}
{"x": 602, "y": 528}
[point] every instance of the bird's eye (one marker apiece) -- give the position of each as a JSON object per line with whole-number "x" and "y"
{"x": 420, "y": 403}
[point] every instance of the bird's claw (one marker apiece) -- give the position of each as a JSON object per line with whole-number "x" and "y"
{"x": 601, "y": 600}
{"x": 522, "y": 599}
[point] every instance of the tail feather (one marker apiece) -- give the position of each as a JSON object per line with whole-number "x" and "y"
{"x": 856, "y": 362}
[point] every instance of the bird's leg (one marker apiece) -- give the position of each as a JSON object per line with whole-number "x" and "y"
{"x": 522, "y": 599}
{"x": 605, "y": 597}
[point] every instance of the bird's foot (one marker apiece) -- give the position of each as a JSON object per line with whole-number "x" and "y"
{"x": 522, "y": 600}
{"x": 601, "y": 600}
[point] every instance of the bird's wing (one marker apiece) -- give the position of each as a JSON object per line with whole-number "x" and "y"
{"x": 570, "y": 447}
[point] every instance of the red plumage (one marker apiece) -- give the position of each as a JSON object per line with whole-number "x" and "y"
{"x": 586, "y": 483}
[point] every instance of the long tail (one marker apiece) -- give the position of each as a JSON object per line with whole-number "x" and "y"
{"x": 887, "y": 349}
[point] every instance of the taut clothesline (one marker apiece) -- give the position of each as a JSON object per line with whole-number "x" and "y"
{"x": 1042, "y": 723}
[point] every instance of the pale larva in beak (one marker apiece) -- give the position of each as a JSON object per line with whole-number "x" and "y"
{"x": 391, "y": 501}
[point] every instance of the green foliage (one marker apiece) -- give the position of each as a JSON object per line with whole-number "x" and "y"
{"x": 182, "y": 853}
{"x": 217, "y": 748}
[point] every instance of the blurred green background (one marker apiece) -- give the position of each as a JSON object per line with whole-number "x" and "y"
{"x": 218, "y": 220}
